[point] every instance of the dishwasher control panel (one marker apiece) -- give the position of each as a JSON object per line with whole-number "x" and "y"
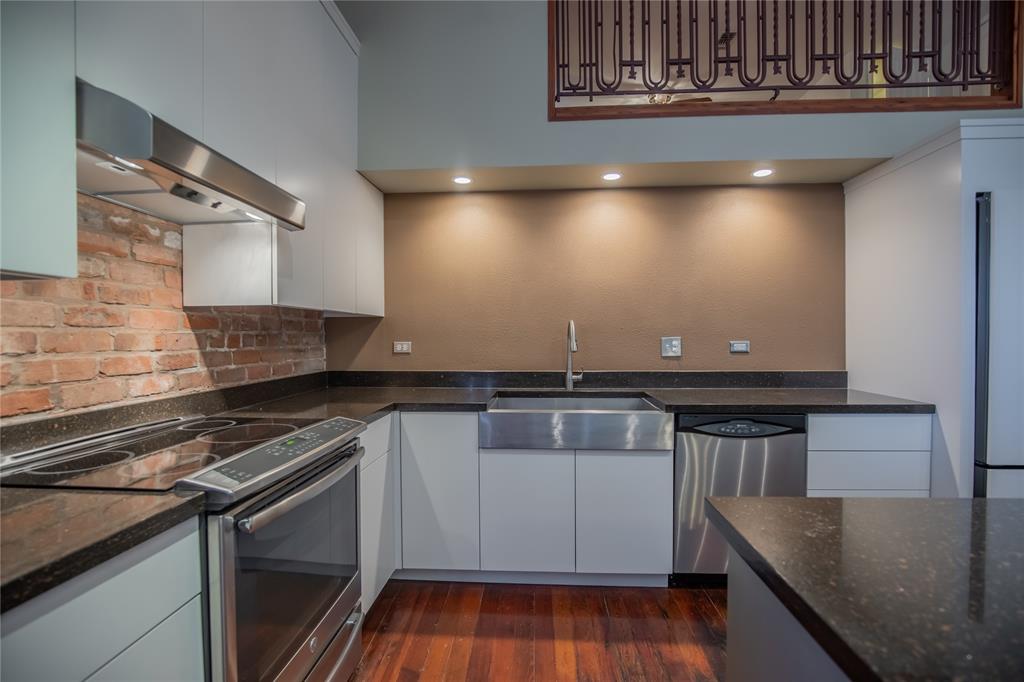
{"x": 742, "y": 428}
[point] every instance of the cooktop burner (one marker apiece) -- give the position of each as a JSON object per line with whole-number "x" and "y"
{"x": 156, "y": 460}
{"x": 248, "y": 433}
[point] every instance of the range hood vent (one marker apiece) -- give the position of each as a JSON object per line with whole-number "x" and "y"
{"x": 130, "y": 157}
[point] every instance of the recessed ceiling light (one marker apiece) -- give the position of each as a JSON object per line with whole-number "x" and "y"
{"x": 612, "y": 176}
{"x": 462, "y": 180}
{"x": 762, "y": 172}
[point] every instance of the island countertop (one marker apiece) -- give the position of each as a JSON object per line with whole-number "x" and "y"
{"x": 893, "y": 589}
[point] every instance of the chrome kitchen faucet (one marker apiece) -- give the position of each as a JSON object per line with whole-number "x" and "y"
{"x": 571, "y": 347}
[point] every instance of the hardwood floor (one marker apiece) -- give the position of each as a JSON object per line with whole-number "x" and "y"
{"x": 472, "y": 631}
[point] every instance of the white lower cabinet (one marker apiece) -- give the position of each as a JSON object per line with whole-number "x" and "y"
{"x": 869, "y": 455}
{"x": 440, "y": 491}
{"x": 624, "y": 511}
{"x": 527, "y": 511}
{"x": 158, "y": 655}
{"x": 118, "y": 620}
{"x": 378, "y": 525}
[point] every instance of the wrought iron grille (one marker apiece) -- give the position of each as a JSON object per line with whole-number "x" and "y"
{"x": 659, "y": 51}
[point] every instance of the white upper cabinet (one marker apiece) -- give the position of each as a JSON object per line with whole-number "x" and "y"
{"x": 368, "y": 214}
{"x": 280, "y": 97}
{"x": 148, "y": 52}
{"x": 239, "y": 119}
{"x": 38, "y": 222}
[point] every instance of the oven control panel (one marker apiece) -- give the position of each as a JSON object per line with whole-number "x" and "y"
{"x": 239, "y": 469}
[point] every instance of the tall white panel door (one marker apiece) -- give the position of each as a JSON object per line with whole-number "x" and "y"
{"x": 377, "y": 525}
{"x": 239, "y": 51}
{"x": 624, "y": 511}
{"x": 440, "y": 491}
{"x": 527, "y": 510}
{"x": 148, "y": 52}
{"x": 38, "y": 213}
{"x": 368, "y": 213}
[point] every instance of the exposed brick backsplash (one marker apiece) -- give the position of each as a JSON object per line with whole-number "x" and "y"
{"x": 118, "y": 333}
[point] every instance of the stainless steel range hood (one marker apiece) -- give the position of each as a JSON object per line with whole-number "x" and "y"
{"x": 131, "y": 157}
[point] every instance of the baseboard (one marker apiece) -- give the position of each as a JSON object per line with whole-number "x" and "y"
{"x": 696, "y": 580}
{"x": 523, "y": 578}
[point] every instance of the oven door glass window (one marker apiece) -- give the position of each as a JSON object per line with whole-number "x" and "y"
{"x": 288, "y": 574}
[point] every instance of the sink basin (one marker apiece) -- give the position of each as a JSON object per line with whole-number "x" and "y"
{"x": 571, "y": 404}
{"x": 574, "y": 422}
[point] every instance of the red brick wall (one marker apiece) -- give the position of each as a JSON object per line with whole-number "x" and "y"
{"x": 118, "y": 332}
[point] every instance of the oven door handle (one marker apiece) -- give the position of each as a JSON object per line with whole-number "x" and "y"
{"x": 251, "y": 524}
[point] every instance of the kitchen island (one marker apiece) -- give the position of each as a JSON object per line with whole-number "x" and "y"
{"x": 874, "y": 589}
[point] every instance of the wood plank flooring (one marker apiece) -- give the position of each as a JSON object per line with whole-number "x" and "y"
{"x": 472, "y": 631}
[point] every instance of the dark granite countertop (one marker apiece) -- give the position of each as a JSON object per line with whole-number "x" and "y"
{"x": 371, "y": 402}
{"x": 50, "y": 536}
{"x": 893, "y": 589}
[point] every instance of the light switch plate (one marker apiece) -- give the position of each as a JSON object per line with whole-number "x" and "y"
{"x": 403, "y": 347}
{"x": 739, "y": 346}
{"x": 671, "y": 346}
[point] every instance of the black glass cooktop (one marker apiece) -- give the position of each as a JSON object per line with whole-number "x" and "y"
{"x": 155, "y": 461}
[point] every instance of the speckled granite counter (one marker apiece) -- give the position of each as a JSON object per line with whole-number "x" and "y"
{"x": 48, "y": 537}
{"x": 893, "y": 589}
{"x": 51, "y": 536}
{"x": 370, "y": 402}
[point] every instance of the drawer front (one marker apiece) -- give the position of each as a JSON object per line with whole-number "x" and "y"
{"x": 868, "y": 470}
{"x": 867, "y": 493}
{"x": 376, "y": 440}
{"x": 173, "y": 650}
{"x": 91, "y": 619}
{"x": 869, "y": 432}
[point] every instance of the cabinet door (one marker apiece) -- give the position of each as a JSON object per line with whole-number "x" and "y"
{"x": 238, "y": 63}
{"x": 71, "y": 632}
{"x": 440, "y": 491}
{"x": 148, "y": 52}
{"x": 348, "y": 196}
{"x": 377, "y": 526}
{"x": 38, "y": 219}
{"x": 624, "y": 511}
{"x": 368, "y": 214}
{"x": 527, "y": 512}
{"x": 171, "y": 651}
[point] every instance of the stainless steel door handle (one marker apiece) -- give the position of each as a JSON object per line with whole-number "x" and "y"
{"x": 251, "y": 524}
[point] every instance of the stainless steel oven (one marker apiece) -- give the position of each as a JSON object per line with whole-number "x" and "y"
{"x": 284, "y": 584}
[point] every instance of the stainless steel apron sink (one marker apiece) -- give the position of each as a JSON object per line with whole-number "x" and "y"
{"x": 575, "y": 422}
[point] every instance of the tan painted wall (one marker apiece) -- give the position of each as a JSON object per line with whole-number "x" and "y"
{"x": 488, "y": 281}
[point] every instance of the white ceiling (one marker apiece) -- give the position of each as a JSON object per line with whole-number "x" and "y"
{"x": 791, "y": 171}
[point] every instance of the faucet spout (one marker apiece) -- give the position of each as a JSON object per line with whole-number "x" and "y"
{"x": 571, "y": 346}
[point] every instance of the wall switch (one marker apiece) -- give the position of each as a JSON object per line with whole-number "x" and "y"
{"x": 403, "y": 347}
{"x": 671, "y": 346}
{"x": 739, "y": 346}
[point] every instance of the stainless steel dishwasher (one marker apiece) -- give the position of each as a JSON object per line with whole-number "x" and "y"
{"x": 729, "y": 455}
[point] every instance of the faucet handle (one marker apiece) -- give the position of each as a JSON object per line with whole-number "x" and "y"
{"x": 577, "y": 376}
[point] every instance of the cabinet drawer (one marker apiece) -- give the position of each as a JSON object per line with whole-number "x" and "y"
{"x": 376, "y": 440}
{"x": 867, "y": 493}
{"x": 173, "y": 650}
{"x": 869, "y": 432}
{"x": 868, "y": 470}
{"x": 89, "y": 620}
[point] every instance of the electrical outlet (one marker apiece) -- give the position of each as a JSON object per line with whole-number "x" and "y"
{"x": 403, "y": 347}
{"x": 671, "y": 346}
{"x": 739, "y": 346}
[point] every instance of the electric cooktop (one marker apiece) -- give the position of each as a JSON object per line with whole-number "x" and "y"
{"x": 155, "y": 460}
